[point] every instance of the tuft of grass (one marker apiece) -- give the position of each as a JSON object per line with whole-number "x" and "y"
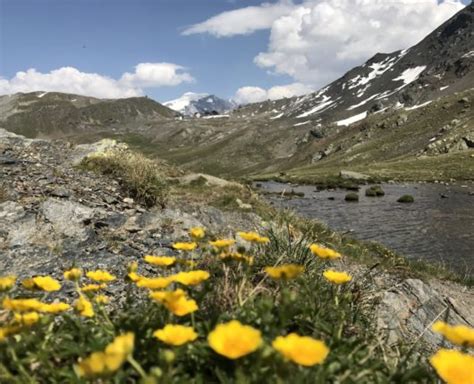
{"x": 3, "y": 194}
{"x": 353, "y": 197}
{"x": 374, "y": 191}
{"x": 141, "y": 178}
{"x": 406, "y": 199}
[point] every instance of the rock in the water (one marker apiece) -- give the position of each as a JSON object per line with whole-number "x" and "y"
{"x": 348, "y": 175}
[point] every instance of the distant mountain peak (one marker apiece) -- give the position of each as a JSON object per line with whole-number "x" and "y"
{"x": 200, "y": 104}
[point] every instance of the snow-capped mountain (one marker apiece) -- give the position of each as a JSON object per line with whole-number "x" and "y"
{"x": 200, "y": 104}
{"x": 441, "y": 64}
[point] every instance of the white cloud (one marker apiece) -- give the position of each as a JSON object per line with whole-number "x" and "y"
{"x": 149, "y": 75}
{"x": 316, "y": 41}
{"x": 242, "y": 21}
{"x": 71, "y": 80}
{"x": 247, "y": 95}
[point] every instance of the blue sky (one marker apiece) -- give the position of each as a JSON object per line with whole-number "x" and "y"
{"x": 118, "y": 34}
{"x": 110, "y": 37}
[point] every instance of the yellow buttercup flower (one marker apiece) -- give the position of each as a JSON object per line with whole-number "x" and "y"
{"x": 176, "y": 334}
{"x": 457, "y": 334}
{"x": 93, "y": 287}
{"x": 191, "y": 277}
{"x": 197, "y": 233}
{"x": 8, "y": 331}
{"x": 453, "y": 367}
{"x": 108, "y": 361}
{"x": 253, "y": 237}
{"x": 42, "y": 283}
{"x": 175, "y": 301}
{"x": 132, "y": 267}
{"x": 302, "y": 350}
{"x": 84, "y": 307}
{"x": 100, "y": 276}
{"x": 285, "y": 271}
{"x": 337, "y": 277}
{"x": 28, "y": 319}
{"x": 154, "y": 283}
{"x": 102, "y": 299}
{"x": 234, "y": 340}
{"x": 7, "y": 282}
{"x": 54, "y": 308}
{"x": 185, "y": 246}
{"x": 134, "y": 277}
{"x": 237, "y": 257}
{"x": 74, "y": 274}
{"x": 222, "y": 243}
{"x": 21, "y": 305}
{"x": 323, "y": 252}
{"x": 161, "y": 261}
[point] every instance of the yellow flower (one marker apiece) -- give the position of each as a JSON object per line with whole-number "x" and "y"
{"x": 8, "y": 331}
{"x": 324, "y": 253}
{"x": 84, "y": 307}
{"x": 253, "y": 237}
{"x": 197, "y": 233}
{"x": 109, "y": 361}
{"x": 21, "y": 305}
{"x": 237, "y": 257}
{"x": 27, "y": 319}
{"x": 100, "y": 276}
{"x": 337, "y": 277}
{"x": 122, "y": 345}
{"x": 54, "y": 308}
{"x": 176, "y": 334}
{"x": 234, "y": 340}
{"x": 101, "y": 299}
{"x": 457, "y": 334}
{"x": 302, "y": 350}
{"x": 93, "y": 287}
{"x": 453, "y": 367}
{"x": 132, "y": 267}
{"x": 74, "y": 274}
{"x": 42, "y": 283}
{"x": 185, "y": 246}
{"x": 191, "y": 277}
{"x": 7, "y": 282}
{"x": 222, "y": 243}
{"x": 154, "y": 283}
{"x": 134, "y": 277}
{"x": 175, "y": 301}
{"x": 285, "y": 271}
{"x": 161, "y": 261}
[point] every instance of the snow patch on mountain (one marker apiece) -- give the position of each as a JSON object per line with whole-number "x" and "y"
{"x": 410, "y": 75}
{"x": 200, "y": 104}
{"x": 352, "y": 119}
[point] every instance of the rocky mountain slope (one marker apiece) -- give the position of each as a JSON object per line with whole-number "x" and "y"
{"x": 441, "y": 64}
{"x": 200, "y": 104}
{"x": 404, "y": 115}
{"x": 53, "y": 114}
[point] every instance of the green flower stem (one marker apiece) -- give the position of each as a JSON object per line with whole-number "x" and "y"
{"x": 136, "y": 366}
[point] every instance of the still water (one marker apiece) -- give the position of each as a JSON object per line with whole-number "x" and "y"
{"x": 438, "y": 226}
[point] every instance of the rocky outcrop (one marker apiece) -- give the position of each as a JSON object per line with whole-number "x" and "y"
{"x": 408, "y": 309}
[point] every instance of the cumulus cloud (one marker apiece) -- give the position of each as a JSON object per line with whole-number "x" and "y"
{"x": 242, "y": 21}
{"x": 71, "y": 80}
{"x": 247, "y": 95}
{"x": 315, "y": 41}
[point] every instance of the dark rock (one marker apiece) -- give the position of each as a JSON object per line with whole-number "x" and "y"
{"x": 352, "y": 197}
{"x": 406, "y": 199}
